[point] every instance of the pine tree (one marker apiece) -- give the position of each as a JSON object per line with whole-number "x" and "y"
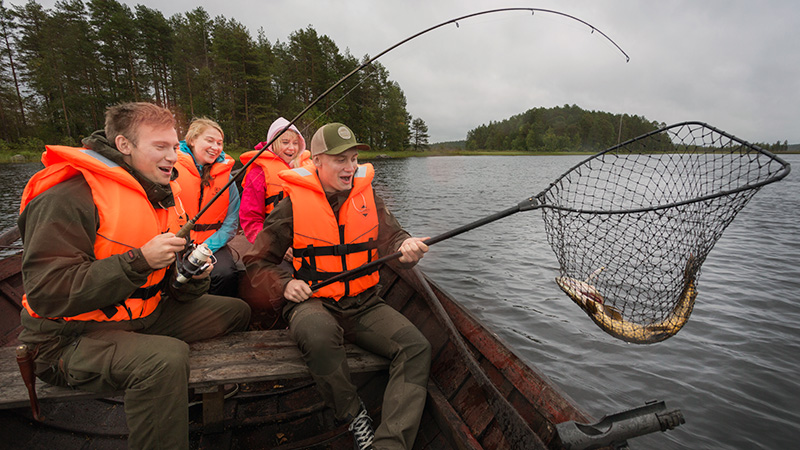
{"x": 419, "y": 134}
{"x": 157, "y": 46}
{"x": 7, "y": 54}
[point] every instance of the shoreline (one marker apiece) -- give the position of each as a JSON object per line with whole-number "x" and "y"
{"x": 30, "y": 157}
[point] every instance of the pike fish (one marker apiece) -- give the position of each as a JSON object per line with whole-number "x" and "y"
{"x": 611, "y": 321}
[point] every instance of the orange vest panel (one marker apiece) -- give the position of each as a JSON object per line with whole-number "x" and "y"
{"x": 320, "y": 249}
{"x": 118, "y": 197}
{"x": 271, "y": 164}
{"x": 193, "y": 195}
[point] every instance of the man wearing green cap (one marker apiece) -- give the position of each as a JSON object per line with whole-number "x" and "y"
{"x": 333, "y": 222}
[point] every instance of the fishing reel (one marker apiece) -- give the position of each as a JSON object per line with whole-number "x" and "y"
{"x": 195, "y": 261}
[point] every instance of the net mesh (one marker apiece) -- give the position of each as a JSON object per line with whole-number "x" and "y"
{"x": 632, "y": 226}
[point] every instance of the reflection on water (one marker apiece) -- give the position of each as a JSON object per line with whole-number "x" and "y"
{"x": 733, "y": 365}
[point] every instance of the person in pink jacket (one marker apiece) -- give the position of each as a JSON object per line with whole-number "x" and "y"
{"x": 261, "y": 189}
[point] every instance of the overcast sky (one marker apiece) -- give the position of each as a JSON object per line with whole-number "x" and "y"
{"x": 732, "y": 64}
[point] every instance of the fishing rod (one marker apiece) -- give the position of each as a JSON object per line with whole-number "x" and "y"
{"x": 186, "y": 229}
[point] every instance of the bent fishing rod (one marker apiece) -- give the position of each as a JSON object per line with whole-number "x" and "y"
{"x": 186, "y": 229}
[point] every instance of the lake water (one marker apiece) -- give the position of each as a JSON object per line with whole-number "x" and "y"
{"x": 732, "y": 370}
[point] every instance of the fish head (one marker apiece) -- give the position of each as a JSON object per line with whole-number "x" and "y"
{"x": 581, "y": 292}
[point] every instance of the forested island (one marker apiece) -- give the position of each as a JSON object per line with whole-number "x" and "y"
{"x": 566, "y": 129}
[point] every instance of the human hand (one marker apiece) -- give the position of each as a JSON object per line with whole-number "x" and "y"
{"x": 205, "y": 273}
{"x": 297, "y": 291}
{"x": 413, "y": 249}
{"x": 159, "y": 252}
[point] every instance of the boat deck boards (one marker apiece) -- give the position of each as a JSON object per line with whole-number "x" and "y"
{"x": 243, "y": 357}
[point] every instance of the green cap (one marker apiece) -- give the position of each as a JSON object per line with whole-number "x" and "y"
{"x": 334, "y": 138}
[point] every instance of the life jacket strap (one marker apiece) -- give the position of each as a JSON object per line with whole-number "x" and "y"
{"x": 150, "y": 291}
{"x": 208, "y": 226}
{"x": 334, "y": 250}
{"x": 306, "y": 273}
{"x": 273, "y": 199}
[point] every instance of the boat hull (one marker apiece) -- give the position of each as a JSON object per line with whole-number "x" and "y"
{"x": 481, "y": 395}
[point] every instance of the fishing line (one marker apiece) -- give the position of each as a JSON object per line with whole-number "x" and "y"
{"x": 186, "y": 229}
{"x": 363, "y": 79}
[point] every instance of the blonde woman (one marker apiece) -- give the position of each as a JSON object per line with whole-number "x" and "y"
{"x": 203, "y": 170}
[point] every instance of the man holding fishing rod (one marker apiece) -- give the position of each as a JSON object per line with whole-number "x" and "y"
{"x": 102, "y": 311}
{"x": 333, "y": 221}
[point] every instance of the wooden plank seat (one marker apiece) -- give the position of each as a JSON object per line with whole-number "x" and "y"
{"x": 243, "y": 357}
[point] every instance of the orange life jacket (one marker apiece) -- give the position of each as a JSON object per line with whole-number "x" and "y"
{"x": 193, "y": 194}
{"x": 304, "y": 160}
{"x": 324, "y": 246}
{"x": 270, "y": 164}
{"x": 127, "y": 220}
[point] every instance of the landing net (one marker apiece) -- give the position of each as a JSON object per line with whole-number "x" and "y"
{"x": 632, "y": 226}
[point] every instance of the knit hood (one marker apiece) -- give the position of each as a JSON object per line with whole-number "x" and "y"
{"x": 278, "y": 125}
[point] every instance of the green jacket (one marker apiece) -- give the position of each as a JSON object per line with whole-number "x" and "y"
{"x": 61, "y": 275}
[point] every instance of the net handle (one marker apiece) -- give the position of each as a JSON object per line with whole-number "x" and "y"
{"x": 526, "y": 205}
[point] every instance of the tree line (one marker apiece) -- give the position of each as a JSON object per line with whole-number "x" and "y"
{"x": 60, "y": 69}
{"x": 562, "y": 128}
{"x": 567, "y": 128}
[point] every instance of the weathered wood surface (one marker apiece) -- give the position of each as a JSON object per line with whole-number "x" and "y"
{"x": 242, "y": 357}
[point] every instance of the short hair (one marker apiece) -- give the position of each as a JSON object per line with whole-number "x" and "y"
{"x": 126, "y": 118}
{"x": 198, "y": 126}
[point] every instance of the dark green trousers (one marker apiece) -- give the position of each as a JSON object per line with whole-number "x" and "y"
{"x": 320, "y": 328}
{"x": 148, "y": 359}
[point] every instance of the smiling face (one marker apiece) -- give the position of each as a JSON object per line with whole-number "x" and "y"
{"x": 153, "y": 153}
{"x": 286, "y": 146}
{"x": 207, "y": 146}
{"x": 336, "y": 171}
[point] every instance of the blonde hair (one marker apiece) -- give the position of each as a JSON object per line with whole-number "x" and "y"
{"x": 198, "y": 126}
{"x": 276, "y": 147}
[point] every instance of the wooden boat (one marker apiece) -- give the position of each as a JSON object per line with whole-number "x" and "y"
{"x": 481, "y": 395}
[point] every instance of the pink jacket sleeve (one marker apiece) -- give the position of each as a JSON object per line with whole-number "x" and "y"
{"x": 252, "y": 210}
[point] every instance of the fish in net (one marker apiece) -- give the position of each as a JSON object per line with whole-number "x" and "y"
{"x": 632, "y": 226}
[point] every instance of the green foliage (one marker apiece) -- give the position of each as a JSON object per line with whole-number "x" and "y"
{"x": 559, "y": 129}
{"x": 779, "y": 147}
{"x": 449, "y": 145}
{"x": 73, "y": 61}
{"x": 419, "y": 135}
